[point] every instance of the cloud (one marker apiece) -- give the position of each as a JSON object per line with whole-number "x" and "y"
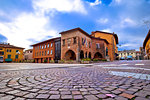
{"x": 97, "y": 2}
{"x": 26, "y": 26}
{"x": 127, "y": 22}
{"x": 102, "y": 20}
{"x": 46, "y": 6}
{"x": 30, "y": 27}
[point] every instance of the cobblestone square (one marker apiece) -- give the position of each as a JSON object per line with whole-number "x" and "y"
{"x": 119, "y": 80}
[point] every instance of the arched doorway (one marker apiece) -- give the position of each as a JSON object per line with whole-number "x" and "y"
{"x": 70, "y": 55}
{"x": 98, "y": 55}
{"x": 81, "y": 54}
{"x": 89, "y": 54}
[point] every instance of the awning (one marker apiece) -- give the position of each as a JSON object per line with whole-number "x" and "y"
{"x": 8, "y": 60}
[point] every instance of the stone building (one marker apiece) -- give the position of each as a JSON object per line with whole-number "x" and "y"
{"x": 28, "y": 55}
{"x": 126, "y": 53}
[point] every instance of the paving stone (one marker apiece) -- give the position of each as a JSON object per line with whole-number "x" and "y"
{"x": 65, "y": 92}
{"x": 116, "y": 92}
{"x": 94, "y": 92}
{"x": 83, "y": 89}
{"x": 5, "y": 90}
{"x": 85, "y": 93}
{"x": 121, "y": 98}
{"x": 141, "y": 93}
{"x": 54, "y": 97}
{"x": 66, "y": 96}
{"x": 19, "y": 98}
{"x": 43, "y": 96}
{"x": 104, "y": 91}
{"x": 34, "y": 90}
{"x": 78, "y": 97}
{"x": 129, "y": 92}
{"x": 8, "y": 97}
{"x": 76, "y": 92}
{"x": 30, "y": 95}
{"x": 21, "y": 93}
{"x": 13, "y": 92}
{"x": 90, "y": 97}
{"x": 140, "y": 98}
{"x": 54, "y": 92}
{"x": 127, "y": 95}
{"x": 101, "y": 96}
{"x": 43, "y": 91}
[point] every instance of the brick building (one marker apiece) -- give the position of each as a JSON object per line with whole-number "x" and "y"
{"x": 47, "y": 50}
{"x": 74, "y": 44}
{"x": 112, "y": 39}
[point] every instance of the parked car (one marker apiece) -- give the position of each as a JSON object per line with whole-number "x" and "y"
{"x": 129, "y": 58}
{"x": 122, "y": 58}
{"x": 1, "y": 59}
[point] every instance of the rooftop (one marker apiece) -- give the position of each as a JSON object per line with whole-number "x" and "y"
{"x": 115, "y": 35}
{"x": 46, "y": 41}
{"x": 9, "y": 46}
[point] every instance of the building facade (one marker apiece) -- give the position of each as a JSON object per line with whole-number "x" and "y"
{"x": 11, "y": 53}
{"x": 126, "y": 53}
{"x": 112, "y": 40}
{"x": 146, "y": 46}
{"x": 74, "y": 44}
{"x": 28, "y": 55}
{"x": 46, "y": 51}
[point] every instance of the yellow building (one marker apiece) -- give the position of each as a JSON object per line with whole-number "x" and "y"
{"x": 146, "y": 46}
{"x": 112, "y": 40}
{"x": 10, "y": 53}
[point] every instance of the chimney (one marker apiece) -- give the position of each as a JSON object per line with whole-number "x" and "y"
{"x": 8, "y": 43}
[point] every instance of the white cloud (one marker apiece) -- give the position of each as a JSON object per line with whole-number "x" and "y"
{"x": 107, "y": 30}
{"x": 97, "y": 2}
{"x": 117, "y": 1}
{"x": 30, "y": 27}
{"x": 25, "y": 27}
{"x": 128, "y": 22}
{"x": 46, "y": 6}
{"x": 102, "y": 20}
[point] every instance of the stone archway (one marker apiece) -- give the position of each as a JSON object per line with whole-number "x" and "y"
{"x": 98, "y": 55}
{"x": 81, "y": 54}
{"x": 70, "y": 55}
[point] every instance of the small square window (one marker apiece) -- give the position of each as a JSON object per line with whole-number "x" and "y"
{"x": 51, "y": 52}
{"x": 16, "y": 57}
{"x": 74, "y": 40}
{"x": 48, "y": 45}
{"x": 97, "y": 46}
{"x": 63, "y": 41}
{"x": 48, "y": 52}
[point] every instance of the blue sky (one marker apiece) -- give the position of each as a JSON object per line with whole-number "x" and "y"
{"x": 25, "y": 22}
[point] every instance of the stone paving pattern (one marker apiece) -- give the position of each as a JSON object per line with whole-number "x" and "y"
{"x": 81, "y": 83}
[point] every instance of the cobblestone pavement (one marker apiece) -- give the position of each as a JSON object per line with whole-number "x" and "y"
{"x": 78, "y": 83}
